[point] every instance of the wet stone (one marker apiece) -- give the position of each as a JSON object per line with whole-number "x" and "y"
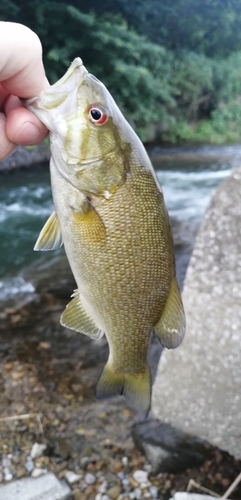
{"x": 167, "y": 448}
{"x": 199, "y": 383}
{"x": 140, "y": 476}
{"x": 89, "y": 478}
{"x": 37, "y": 450}
{"x": 114, "y": 492}
{"x": 71, "y": 477}
{"x": 46, "y": 487}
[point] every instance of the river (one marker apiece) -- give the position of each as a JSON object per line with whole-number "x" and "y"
{"x": 188, "y": 178}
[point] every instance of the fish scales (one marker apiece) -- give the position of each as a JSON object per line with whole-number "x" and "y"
{"x": 110, "y": 211}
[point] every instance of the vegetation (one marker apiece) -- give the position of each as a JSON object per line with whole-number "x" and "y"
{"x": 174, "y": 67}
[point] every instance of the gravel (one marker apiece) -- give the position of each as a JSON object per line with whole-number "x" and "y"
{"x": 47, "y": 404}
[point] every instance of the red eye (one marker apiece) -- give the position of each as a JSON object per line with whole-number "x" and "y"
{"x": 97, "y": 115}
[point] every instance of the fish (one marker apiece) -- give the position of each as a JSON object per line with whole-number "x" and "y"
{"x": 110, "y": 214}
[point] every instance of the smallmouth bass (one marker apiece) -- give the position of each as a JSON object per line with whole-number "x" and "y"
{"x": 111, "y": 216}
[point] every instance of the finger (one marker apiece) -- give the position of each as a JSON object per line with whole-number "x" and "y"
{"x": 6, "y": 146}
{"x": 21, "y": 67}
{"x": 23, "y": 127}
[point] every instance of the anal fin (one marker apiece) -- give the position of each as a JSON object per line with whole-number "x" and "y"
{"x": 76, "y": 318}
{"x": 50, "y": 237}
{"x": 170, "y": 329}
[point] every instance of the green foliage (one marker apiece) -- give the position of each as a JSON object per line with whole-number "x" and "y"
{"x": 212, "y": 27}
{"x": 153, "y": 56}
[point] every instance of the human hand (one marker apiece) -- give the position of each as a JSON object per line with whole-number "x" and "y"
{"x": 21, "y": 74}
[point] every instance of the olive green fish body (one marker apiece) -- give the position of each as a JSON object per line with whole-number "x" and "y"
{"x": 111, "y": 216}
{"x": 126, "y": 265}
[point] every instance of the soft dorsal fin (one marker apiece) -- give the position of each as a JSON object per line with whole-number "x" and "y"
{"x": 170, "y": 329}
{"x": 50, "y": 237}
{"x": 76, "y": 318}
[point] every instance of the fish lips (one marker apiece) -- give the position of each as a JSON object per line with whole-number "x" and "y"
{"x": 45, "y": 104}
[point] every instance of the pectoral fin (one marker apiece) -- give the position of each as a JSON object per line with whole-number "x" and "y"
{"x": 50, "y": 237}
{"x": 76, "y": 318}
{"x": 170, "y": 329}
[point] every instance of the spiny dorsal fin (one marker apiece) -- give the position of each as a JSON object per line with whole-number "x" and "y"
{"x": 170, "y": 329}
{"x": 50, "y": 237}
{"x": 76, "y": 318}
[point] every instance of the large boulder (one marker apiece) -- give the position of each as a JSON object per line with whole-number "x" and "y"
{"x": 198, "y": 385}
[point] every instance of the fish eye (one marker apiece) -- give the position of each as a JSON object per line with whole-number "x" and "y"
{"x": 97, "y": 115}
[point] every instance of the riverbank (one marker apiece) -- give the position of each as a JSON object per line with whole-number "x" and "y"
{"x": 25, "y": 157}
{"x": 48, "y": 375}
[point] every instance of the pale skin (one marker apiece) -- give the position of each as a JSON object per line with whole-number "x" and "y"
{"x": 21, "y": 75}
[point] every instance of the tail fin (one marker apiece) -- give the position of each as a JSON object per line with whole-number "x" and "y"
{"x": 136, "y": 387}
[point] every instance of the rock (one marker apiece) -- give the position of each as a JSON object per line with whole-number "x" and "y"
{"x": 7, "y": 474}
{"x": 140, "y": 476}
{"x": 167, "y": 448}
{"x": 154, "y": 492}
{"x": 37, "y": 450}
{"x": 71, "y": 477}
{"x": 24, "y": 158}
{"x": 38, "y": 472}
{"x": 46, "y": 487}
{"x": 89, "y": 478}
{"x": 191, "y": 496}
{"x": 6, "y": 461}
{"x": 138, "y": 493}
{"x": 124, "y": 461}
{"x": 21, "y": 472}
{"x": 29, "y": 465}
{"x": 114, "y": 492}
{"x": 197, "y": 387}
{"x": 77, "y": 494}
{"x": 103, "y": 487}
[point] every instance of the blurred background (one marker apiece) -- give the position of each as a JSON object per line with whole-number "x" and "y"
{"x": 173, "y": 66}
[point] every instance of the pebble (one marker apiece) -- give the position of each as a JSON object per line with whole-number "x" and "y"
{"x": 90, "y": 478}
{"x": 21, "y": 472}
{"x": 126, "y": 484}
{"x": 29, "y": 465}
{"x": 138, "y": 493}
{"x": 103, "y": 487}
{"x": 38, "y": 472}
{"x": 141, "y": 476}
{"x": 16, "y": 459}
{"x": 7, "y": 474}
{"x": 113, "y": 492}
{"x": 71, "y": 477}
{"x": 6, "y": 461}
{"x": 37, "y": 450}
{"x": 77, "y": 495}
{"x": 154, "y": 492}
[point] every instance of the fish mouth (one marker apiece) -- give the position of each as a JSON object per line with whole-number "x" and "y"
{"x": 77, "y": 64}
{"x": 57, "y": 93}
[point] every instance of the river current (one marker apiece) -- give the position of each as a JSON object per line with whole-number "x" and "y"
{"x": 187, "y": 179}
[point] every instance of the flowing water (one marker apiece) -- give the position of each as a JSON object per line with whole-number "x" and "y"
{"x": 26, "y": 203}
